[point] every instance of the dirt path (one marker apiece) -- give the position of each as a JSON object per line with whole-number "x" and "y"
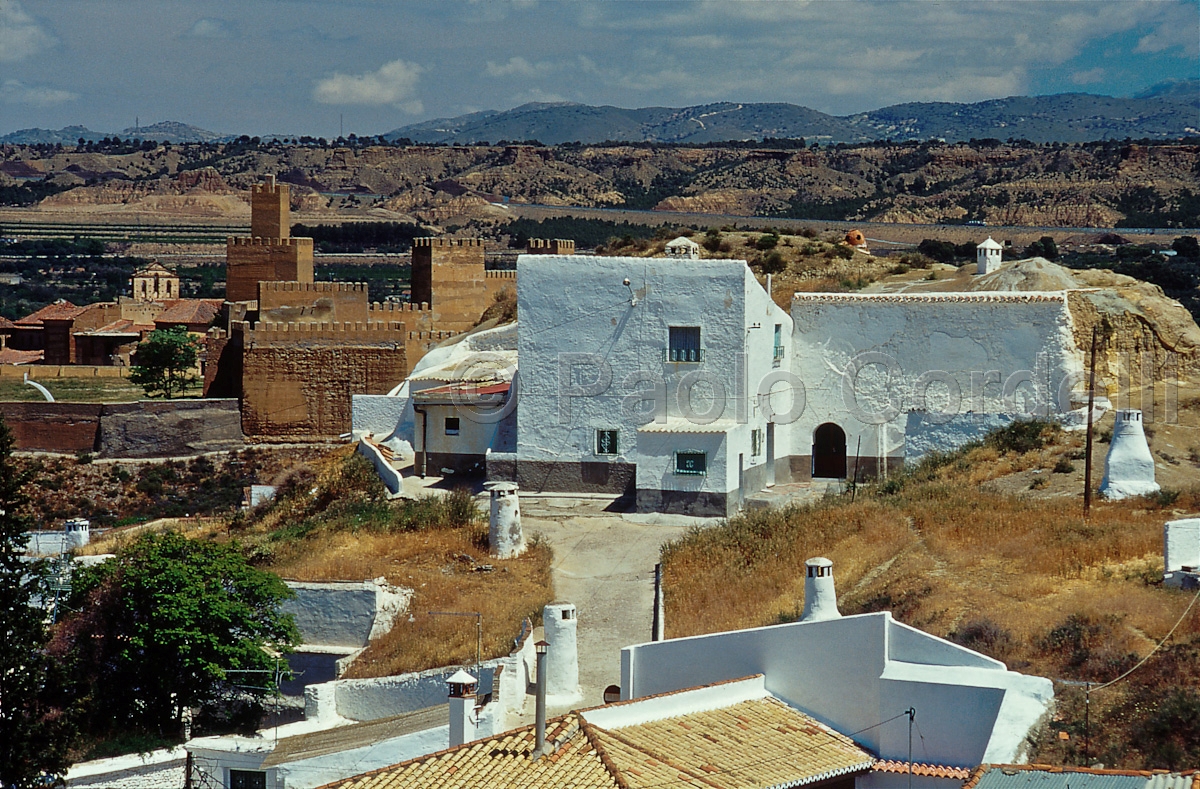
{"x": 604, "y": 564}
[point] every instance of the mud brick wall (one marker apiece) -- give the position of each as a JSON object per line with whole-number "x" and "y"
{"x": 53, "y": 427}
{"x": 496, "y": 281}
{"x": 304, "y": 390}
{"x": 284, "y": 302}
{"x": 249, "y": 261}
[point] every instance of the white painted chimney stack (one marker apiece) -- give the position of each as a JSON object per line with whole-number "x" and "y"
{"x": 560, "y": 623}
{"x": 505, "y": 538}
{"x": 1129, "y": 467}
{"x": 1181, "y": 552}
{"x": 462, "y": 707}
{"x": 820, "y": 599}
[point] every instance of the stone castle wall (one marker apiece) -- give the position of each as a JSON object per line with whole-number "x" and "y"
{"x": 286, "y": 302}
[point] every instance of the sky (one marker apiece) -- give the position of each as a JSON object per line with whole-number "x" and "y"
{"x": 319, "y": 68}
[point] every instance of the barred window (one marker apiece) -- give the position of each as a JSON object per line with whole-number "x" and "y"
{"x": 606, "y": 442}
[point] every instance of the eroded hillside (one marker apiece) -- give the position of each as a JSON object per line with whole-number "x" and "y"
{"x": 1100, "y": 184}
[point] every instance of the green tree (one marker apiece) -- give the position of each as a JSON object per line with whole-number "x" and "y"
{"x": 35, "y": 728}
{"x": 165, "y": 362}
{"x": 1187, "y": 247}
{"x": 159, "y": 628}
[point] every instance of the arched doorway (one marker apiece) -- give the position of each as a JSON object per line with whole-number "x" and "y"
{"x": 829, "y": 451}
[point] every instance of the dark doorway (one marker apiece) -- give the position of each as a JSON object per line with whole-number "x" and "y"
{"x": 829, "y": 451}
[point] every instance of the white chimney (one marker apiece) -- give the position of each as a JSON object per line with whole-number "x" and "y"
{"x": 462, "y": 707}
{"x": 820, "y": 600}
{"x": 1129, "y": 467}
{"x": 1181, "y": 551}
{"x": 987, "y": 256}
{"x": 505, "y": 538}
{"x": 559, "y": 623}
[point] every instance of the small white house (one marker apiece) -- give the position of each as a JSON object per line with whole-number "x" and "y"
{"x": 683, "y": 247}
{"x": 645, "y": 378}
{"x": 987, "y": 256}
{"x": 859, "y": 674}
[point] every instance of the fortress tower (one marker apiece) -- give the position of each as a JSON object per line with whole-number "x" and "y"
{"x": 270, "y": 254}
{"x": 448, "y": 275}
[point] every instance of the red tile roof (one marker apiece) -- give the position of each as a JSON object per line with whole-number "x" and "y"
{"x": 189, "y": 311}
{"x": 922, "y": 769}
{"x": 122, "y": 326}
{"x": 59, "y": 310}
{"x": 12, "y": 356}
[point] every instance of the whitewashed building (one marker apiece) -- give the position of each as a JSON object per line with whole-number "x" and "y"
{"x": 642, "y": 375}
{"x": 682, "y": 384}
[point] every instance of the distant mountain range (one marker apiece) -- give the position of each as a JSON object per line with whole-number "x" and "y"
{"x": 1167, "y": 111}
{"x": 166, "y": 131}
{"x": 1164, "y": 111}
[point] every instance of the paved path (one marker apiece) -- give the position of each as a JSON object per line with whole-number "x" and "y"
{"x": 604, "y": 564}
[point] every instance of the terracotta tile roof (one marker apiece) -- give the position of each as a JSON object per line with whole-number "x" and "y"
{"x": 922, "y": 769}
{"x": 188, "y": 311}
{"x": 5, "y": 323}
{"x": 463, "y": 393}
{"x": 11, "y": 356}
{"x": 992, "y": 297}
{"x": 748, "y": 745}
{"x": 756, "y": 743}
{"x": 121, "y": 327}
{"x": 59, "y": 310}
{"x": 500, "y": 761}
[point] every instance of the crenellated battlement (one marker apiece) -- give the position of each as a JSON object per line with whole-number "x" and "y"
{"x": 502, "y": 274}
{"x": 436, "y": 336}
{"x": 442, "y": 242}
{"x": 550, "y": 246}
{"x": 299, "y": 327}
{"x": 259, "y": 241}
{"x": 399, "y": 306}
{"x": 312, "y": 287}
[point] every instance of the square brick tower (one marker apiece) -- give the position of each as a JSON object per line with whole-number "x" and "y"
{"x": 448, "y": 275}
{"x": 270, "y": 254}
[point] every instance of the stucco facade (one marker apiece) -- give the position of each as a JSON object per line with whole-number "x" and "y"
{"x": 628, "y": 362}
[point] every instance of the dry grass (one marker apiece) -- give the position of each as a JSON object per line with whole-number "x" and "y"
{"x": 332, "y": 523}
{"x": 947, "y": 552}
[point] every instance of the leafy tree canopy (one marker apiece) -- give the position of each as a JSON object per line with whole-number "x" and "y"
{"x": 170, "y": 624}
{"x": 165, "y": 362}
{"x": 35, "y": 729}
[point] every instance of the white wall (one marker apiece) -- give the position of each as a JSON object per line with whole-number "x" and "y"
{"x": 958, "y": 350}
{"x": 387, "y": 472}
{"x": 848, "y": 673}
{"x": 345, "y": 613}
{"x": 574, "y": 304}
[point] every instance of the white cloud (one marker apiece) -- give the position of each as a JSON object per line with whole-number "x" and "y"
{"x": 20, "y": 34}
{"x": 15, "y": 92}
{"x": 211, "y": 27}
{"x": 1089, "y": 77}
{"x": 517, "y": 67}
{"x": 394, "y": 83}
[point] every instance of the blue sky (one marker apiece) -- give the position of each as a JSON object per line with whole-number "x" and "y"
{"x": 297, "y": 66}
